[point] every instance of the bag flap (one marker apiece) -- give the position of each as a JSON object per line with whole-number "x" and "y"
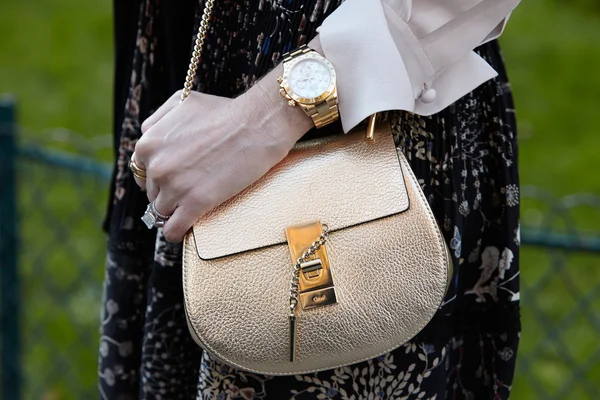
{"x": 341, "y": 180}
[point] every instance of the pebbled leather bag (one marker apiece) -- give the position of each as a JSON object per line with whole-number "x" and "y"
{"x": 332, "y": 258}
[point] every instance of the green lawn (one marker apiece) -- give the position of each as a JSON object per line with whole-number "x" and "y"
{"x": 553, "y": 54}
{"x": 57, "y": 62}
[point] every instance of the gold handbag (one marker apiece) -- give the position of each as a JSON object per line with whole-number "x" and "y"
{"x": 333, "y": 257}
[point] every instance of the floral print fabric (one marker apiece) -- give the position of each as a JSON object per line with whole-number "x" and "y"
{"x": 464, "y": 157}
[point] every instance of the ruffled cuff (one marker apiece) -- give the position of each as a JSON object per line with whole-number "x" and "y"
{"x": 381, "y": 65}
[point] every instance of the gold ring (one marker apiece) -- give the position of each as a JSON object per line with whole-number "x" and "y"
{"x": 138, "y": 172}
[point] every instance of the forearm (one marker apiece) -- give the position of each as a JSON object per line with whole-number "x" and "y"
{"x": 267, "y": 108}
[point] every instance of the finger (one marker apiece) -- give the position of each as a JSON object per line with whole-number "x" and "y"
{"x": 162, "y": 111}
{"x": 179, "y": 224}
{"x": 140, "y": 182}
{"x": 134, "y": 164}
{"x": 164, "y": 204}
{"x": 152, "y": 189}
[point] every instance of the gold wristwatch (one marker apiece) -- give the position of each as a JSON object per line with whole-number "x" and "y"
{"x": 309, "y": 81}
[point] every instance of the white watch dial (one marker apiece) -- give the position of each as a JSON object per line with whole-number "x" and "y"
{"x": 309, "y": 78}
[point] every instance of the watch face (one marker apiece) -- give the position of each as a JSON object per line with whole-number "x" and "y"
{"x": 309, "y": 78}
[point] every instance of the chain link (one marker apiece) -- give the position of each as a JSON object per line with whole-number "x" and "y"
{"x": 295, "y": 281}
{"x": 198, "y": 46}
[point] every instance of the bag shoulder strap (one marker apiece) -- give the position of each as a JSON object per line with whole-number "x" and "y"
{"x": 198, "y": 46}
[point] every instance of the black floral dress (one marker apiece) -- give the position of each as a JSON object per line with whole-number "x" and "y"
{"x": 465, "y": 158}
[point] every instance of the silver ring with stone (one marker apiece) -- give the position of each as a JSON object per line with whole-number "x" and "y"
{"x": 153, "y": 218}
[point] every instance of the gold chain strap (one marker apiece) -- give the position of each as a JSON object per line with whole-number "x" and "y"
{"x": 198, "y": 46}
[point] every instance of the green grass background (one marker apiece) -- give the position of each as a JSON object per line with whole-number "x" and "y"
{"x": 56, "y": 59}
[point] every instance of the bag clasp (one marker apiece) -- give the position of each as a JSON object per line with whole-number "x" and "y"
{"x": 315, "y": 284}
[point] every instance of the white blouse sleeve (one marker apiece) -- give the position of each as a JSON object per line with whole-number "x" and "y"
{"x": 413, "y": 55}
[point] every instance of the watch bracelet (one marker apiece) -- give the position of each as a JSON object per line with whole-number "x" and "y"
{"x": 324, "y": 113}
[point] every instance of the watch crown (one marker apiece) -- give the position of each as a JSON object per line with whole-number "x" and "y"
{"x": 282, "y": 92}
{"x": 292, "y": 103}
{"x": 279, "y": 79}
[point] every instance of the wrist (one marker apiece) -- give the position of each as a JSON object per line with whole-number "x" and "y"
{"x": 265, "y": 106}
{"x": 273, "y": 112}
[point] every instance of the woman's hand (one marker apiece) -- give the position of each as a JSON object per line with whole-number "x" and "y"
{"x": 201, "y": 152}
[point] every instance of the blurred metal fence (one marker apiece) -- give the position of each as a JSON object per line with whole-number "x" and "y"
{"x": 51, "y": 269}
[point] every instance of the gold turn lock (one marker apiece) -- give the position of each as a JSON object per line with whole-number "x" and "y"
{"x": 312, "y": 284}
{"x": 312, "y": 269}
{"x": 315, "y": 283}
